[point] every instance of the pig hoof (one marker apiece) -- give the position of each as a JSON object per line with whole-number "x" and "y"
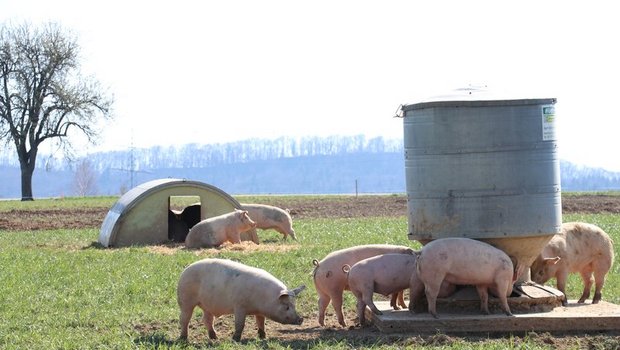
{"x": 581, "y": 301}
{"x": 212, "y": 335}
{"x": 595, "y": 301}
{"x": 564, "y": 302}
{"x": 261, "y": 334}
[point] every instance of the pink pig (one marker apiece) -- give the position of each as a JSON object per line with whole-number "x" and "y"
{"x": 579, "y": 247}
{"x": 462, "y": 261}
{"x": 221, "y": 287}
{"x": 330, "y": 281}
{"x": 270, "y": 217}
{"x": 384, "y": 274}
{"x": 212, "y": 232}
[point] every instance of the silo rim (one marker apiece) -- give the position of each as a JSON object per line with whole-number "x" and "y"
{"x": 478, "y": 103}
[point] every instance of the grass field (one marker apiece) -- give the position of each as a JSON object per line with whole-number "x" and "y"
{"x": 60, "y": 290}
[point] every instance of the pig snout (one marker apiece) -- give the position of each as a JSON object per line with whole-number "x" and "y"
{"x": 298, "y": 321}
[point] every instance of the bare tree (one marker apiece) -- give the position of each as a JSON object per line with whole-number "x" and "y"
{"x": 43, "y": 95}
{"x": 85, "y": 179}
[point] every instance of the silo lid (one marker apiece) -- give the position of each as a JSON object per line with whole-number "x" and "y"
{"x": 476, "y": 97}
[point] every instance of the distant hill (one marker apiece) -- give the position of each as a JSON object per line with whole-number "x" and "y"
{"x": 335, "y": 165}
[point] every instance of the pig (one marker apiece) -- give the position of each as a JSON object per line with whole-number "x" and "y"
{"x": 385, "y": 274}
{"x": 212, "y": 232}
{"x": 330, "y": 281}
{"x": 224, "y": 287}
{"x": 579, "y": 247}
{"x": 462, "y": 261}
{"x": 270, "y": 217}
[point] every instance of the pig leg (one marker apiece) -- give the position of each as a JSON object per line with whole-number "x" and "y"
{"x": 397, "y": 299}
{"x": 207, "y": 319}
{"x": 483, "y": 293}
{"x": 431, "y": 290}
{"x": 239, "y": 324}
{"x": 253, "y": 236}
{"x": 367, "y": 298}
{"x": 235, "y": 237}
{"x": 416, "y": 288}
{"x": 586, "y": 276}
{"x": 361, "y": 307}
{"x": 561, "y": 284}
{"x": 401, "y": 299}
{"x": 282, "y": 232}
{"x": 323, "y": 302}
{"x": 260, "y": 324}
{"x": 599, "y": 277}
{"x": 394, "y": 301}
{"x": 337, "y": 304}
{"x": 186, "y": 315}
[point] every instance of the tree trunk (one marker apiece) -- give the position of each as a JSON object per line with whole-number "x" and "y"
{"x": 27, "y": 168}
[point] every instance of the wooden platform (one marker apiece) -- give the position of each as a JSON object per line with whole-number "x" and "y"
{"x": 587, "y": 317}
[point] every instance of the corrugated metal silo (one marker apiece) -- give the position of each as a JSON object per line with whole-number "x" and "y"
{"x": 483, "y": 168}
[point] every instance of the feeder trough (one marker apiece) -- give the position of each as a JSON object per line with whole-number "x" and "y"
{"x": 486, "y": 168}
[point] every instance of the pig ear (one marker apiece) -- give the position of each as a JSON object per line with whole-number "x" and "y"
{"x": 552, "y": 261}
{"x": 298, "y": 290}
{"x": 292, "y": 292}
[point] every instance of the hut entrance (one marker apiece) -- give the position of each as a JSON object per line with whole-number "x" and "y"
{"x": 183, "y": 213}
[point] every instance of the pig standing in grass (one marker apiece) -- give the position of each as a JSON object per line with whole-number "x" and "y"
{"x": 270, "y": 217}
{"x": 384, "y": 274}
{"x": 330, "y": 281}
{"x": 579, "y": 247}
{"x": 223, "y": 287}
{"x": 462, "y": 261}
{"x": 214, "y": 231}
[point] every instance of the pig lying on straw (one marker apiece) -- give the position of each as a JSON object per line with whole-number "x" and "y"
{"x": 212, "y": 232}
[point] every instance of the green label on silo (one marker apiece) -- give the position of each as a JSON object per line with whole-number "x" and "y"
{"x": 548, "y": 118}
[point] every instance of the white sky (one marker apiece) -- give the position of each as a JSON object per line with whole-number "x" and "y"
{"x": 218, "y": 71}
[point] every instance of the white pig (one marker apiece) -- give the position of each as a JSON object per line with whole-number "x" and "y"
{"x": 212, "y": 232}
{"x": 462, "y": 261}
{"x": 579, "y": 247}
{"x": 330, "y": 281}
{"x": 270, "y": 217}
{"x": 384, "y": 274}
{"x": 222, "y": 287}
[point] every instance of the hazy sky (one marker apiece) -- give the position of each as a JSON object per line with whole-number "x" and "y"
{"x": 218, "y": 71}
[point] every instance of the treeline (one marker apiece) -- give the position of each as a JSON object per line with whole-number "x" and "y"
{"x": 203, "y": 155}
{"x": 337, "y": 164}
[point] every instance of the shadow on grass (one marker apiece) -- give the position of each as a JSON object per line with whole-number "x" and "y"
{"x": 94, "y": 245}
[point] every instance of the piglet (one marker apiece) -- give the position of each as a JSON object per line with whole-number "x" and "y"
{"x": 222, "y": 287}
{"x": 270, "y": 217}
{"x": 462, "y": 261}
{"x": 330, "y": 281}
{"x": 212, "y": 232}
{"x": 579, "y": 247}
{"x": 384, "y": 274}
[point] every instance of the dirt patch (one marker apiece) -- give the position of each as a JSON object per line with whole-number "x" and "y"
{"x": 310, "y": 335}
{"x": 299, "y": 207}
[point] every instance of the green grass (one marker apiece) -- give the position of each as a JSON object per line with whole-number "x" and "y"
{"x": 60, "y": 290}
{"x": 61, "y": 202}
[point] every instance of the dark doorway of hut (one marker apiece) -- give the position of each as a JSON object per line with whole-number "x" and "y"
{"x": 183, "y": 214}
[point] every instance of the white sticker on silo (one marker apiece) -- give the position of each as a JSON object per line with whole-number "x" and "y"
{"x": 548, "y": 117}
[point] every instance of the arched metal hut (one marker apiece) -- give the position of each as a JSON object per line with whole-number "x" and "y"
{"x": 140, "y": 216}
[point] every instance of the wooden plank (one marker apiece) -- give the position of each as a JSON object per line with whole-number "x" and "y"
{"x": 603, "y": 316}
